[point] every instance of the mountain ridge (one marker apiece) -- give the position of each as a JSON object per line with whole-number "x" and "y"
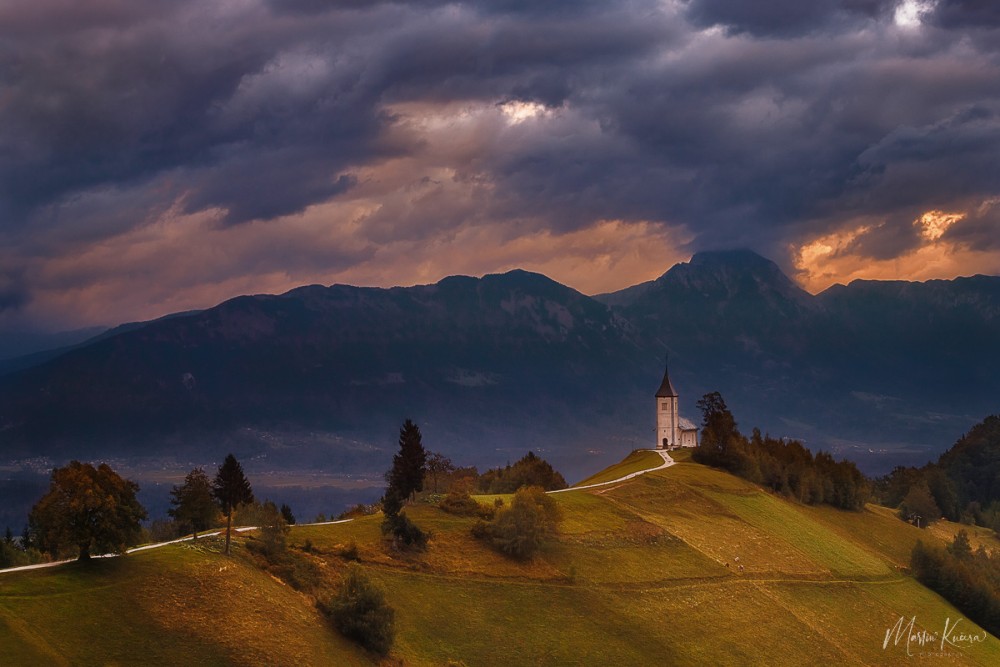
{"x": 516, "y": 360}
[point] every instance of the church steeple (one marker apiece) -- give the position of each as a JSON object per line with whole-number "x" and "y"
{"x": 666, "y": 389}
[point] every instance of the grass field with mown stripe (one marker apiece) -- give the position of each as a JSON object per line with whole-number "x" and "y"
{"x": 640, "y": 459}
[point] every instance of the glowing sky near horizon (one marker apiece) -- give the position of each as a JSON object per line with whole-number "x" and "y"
{"x": 157, "y": 157}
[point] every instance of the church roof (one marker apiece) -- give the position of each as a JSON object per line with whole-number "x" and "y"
{"x": 687, "y": 424}
{"x": 666, "y": 389}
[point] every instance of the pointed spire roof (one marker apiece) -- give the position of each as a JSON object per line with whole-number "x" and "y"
{"x": 666, "y": 389}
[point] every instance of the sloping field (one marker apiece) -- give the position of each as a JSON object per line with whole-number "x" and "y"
{"x": 685, "y": 565}
{"x": 179, "y": 605}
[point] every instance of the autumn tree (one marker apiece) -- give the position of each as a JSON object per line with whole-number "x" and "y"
{"x": 193, "y": 503}
{"x": 438, "y": 466}
{"x": 92, "y": 510}
{"x": 918, "y": 506}
{"x": 231, "y": 489}
{"x": 718, "y": 426}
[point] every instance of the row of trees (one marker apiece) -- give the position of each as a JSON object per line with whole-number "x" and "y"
{"x": 93, "y": 510}
{"x": 961, "y": 486}
{"x": 785, "y": 466}
{"x": 443, "y": 476}
{"x": 530, "y": 470}
{"x": 968, "y": 579}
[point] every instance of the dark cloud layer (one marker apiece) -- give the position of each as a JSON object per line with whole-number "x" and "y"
{"x": 783, "y": 18}
{"x": 767, "y": 124}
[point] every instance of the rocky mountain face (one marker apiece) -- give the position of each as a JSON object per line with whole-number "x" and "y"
{"x": 881, "y": 372}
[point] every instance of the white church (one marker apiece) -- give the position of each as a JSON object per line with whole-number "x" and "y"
{"x": 672, "y": 430}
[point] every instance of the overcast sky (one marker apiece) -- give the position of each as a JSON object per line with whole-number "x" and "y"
{"x": 159, "y": 156}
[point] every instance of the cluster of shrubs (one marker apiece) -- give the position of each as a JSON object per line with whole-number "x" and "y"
{"x": 360, "y": 612}
{"x": 359, "y": 510}
{"x": 530, "y": 470}
{"x": 17, "y": 552}
{"x": 398, "y": 527}
{"x": 521, "y": 529}
{"x": 785, "y": 466}
{"x": 968, "y": 579}
{"x": 460, "y": 503}
{"x": 269, "y": 551}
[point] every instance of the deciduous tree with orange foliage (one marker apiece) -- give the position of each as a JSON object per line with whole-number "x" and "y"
{"x": 87, "y": 510}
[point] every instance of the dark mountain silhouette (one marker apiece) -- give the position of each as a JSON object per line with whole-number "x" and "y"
{"x": 882, "y": 372}
{"x": 893, "y": 367}
{"x": 497, "y": 365}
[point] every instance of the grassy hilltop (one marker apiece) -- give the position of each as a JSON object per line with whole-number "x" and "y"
{"x": 644, "y": 572}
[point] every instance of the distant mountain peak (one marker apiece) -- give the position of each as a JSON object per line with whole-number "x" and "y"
{"x": 732, "y": 257}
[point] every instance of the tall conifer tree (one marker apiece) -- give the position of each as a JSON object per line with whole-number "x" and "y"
{"x": 230, "y": 489}
{"x": 409, "y": 464}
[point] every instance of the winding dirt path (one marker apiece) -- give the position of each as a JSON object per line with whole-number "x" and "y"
{"x": 667, "y": 462}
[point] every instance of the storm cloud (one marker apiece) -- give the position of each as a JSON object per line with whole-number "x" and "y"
{"x": 161, "y": 156}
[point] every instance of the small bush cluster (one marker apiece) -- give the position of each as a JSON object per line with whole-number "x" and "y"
{"x": 350, "y": 552}
{"x": 462, "y": 504}
{"x": 270, "y": 552}
{"x": 359, "y": 510}
{"x": 530, "y": 470}
{"x": 14, "y": 553}
{"x": 520, "y": 530}
{"x": 404, "y": 533}
{"x": 360, "y": 612}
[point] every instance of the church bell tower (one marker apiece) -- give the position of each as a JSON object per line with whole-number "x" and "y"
{"x": 667, "y": 419}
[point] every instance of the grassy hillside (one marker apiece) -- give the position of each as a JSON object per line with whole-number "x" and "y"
{"x": 178, "y": 605}
{"x": 644, "y": 572}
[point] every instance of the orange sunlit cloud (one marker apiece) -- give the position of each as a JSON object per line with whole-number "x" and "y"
{"x": 933, "y": 224}
{"x": 831, "y": 259}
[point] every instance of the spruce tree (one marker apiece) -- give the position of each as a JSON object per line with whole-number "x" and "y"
{"x": 230, "y": 489}
{"x": 409, "y": 465}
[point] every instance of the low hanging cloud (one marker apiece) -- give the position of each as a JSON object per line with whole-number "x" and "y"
{"x": 158, "y": 156}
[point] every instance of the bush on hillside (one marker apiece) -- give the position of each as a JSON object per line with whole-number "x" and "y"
{"x": 360, "y": 612}
{"x": 521, "y": 529}
{"x": 350, "y": 552}
{"x": 359, "y": 510}
{"x": 13, "y": 554}
{"x": 404, "y": 533}
{"x": 270, "y": 552}
{"x": 462, "y": 504}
